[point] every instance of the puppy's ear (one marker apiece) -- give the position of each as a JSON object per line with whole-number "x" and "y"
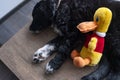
{"x": 37, "y": 5}
{"x": 36, "y": 9}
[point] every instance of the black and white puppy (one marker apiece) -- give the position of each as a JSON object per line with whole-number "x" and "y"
{"x": 66, "y": 14}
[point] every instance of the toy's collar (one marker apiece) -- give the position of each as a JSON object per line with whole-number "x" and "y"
{"x": 100, "y": 34}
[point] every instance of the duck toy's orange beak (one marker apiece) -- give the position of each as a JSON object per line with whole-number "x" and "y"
{"x": 85, "y": 27}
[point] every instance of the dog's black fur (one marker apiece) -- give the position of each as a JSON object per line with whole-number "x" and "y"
{"x": 66, "y": 17}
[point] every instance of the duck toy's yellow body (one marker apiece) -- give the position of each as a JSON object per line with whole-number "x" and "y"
{"x": 91, "y": 52}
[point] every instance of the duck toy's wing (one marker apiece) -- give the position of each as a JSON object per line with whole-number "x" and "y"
{"x": 92, "y": 44}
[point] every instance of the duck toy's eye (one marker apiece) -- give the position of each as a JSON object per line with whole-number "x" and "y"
{"x": 97, "y": 19}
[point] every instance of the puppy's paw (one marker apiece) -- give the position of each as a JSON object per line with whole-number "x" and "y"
{"x": 42, "y": 53}
{"x": 49, "y": 69}
{"x": 39, "y": 56}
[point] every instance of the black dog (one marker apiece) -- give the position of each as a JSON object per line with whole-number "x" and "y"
{"x": 66, "y": 15}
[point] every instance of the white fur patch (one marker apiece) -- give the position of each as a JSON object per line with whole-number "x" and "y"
{"x": 55, "y": 6}
{"x": 57, "y": 30}
{"x": 49, "y": 69}
{"x": 42, "y": 53}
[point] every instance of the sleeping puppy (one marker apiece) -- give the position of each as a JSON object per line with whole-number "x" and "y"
{"x": 65, "y": 15}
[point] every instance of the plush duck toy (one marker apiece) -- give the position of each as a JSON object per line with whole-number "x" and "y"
{"x": 92, "y": 50}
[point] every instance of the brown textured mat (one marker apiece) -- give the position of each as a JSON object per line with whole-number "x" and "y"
{"x": 17, "y": 55}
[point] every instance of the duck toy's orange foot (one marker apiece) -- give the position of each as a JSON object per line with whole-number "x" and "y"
{"x": 80, "y": 62}
{"x": 74, "y": 54}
